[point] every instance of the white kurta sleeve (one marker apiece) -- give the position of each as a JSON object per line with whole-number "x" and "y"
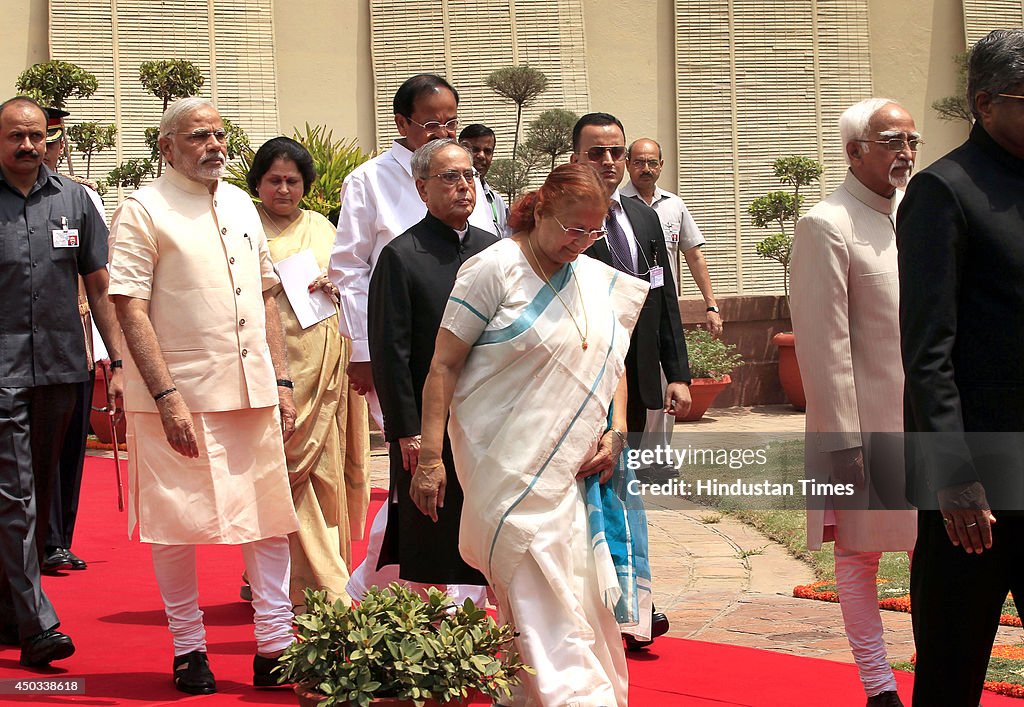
{"x": 819, "y": 298}
{"x": 352, "y": 262}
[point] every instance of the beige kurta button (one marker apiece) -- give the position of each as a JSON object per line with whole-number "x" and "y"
{"x": 224, "y": 231}
{"x": 238, "y": 290}
{"x": 231, "y": 260}
{"x": 241, "y": 322}
{"x": 245, "y": 352}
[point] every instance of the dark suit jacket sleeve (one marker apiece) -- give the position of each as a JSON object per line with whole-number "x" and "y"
{"x": 671, "y": 344}
{"x": 931, "y": 237}
{"x": 390, "y": 338}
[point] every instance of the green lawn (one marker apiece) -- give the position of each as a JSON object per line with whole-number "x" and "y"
{"x": 788, "y": 527}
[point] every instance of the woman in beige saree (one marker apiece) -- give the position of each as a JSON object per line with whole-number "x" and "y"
{"x": 328, "y": 456}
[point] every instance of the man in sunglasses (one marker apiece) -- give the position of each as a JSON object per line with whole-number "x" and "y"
{"x": 845, "y": 299}
{"x": 379, "y": 202}
{"x": 960, "y": 232}
{"x": 635, "y": 245}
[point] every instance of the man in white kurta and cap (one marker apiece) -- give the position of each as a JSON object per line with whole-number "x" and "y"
{"x": 845, "y": 307}
{"x": 207, "y": 390}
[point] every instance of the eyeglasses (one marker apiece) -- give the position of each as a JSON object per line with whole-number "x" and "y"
{"x": 202, "y": 135}
{"x": 1010, "y": 95}
{"x": 895, "y": 144}
{"x": 652, "y": 163}
{"x": 618, "y": 152}
{"x": 579, "y": 234}
{"x": 433, "y": 126}
{"x": 452, "y": 176}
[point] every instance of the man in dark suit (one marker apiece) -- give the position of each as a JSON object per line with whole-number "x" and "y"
{"x": 636, "y": 245}
{"x": 408, "y": 292}
{"x": 960, "y": 234}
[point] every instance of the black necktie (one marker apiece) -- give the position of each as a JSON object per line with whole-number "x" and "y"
{"x": 622, "y": 259}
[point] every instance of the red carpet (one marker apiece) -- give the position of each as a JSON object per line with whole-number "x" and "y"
{"x": 114, "y": 613}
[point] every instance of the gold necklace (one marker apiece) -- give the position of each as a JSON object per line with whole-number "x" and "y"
{"x": 273, "y": 223}
{"x": 585, "y": 332}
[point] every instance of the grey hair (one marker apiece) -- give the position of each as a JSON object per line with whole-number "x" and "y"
{"x": 853, "y": 123}
{"x": 178, "y": 110}
{"x": 422, "y": 158}
{"x": 996, "y": 65}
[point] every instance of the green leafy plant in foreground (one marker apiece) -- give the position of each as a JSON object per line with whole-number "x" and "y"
{"x": 396, "y": 644}
{"x": 710, "y": 357}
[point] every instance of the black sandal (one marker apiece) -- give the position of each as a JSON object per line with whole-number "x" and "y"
{"x": 192, "y": 674}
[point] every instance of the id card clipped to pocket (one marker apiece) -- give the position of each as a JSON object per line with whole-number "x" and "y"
{"x": 65, "y": 237}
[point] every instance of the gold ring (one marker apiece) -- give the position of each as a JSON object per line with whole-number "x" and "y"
{"x": 946, "y": 520}
{"x": 970, "y": 525}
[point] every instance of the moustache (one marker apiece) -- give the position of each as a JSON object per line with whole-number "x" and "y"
{"x": 210, "y": 156}
{"x": 34, "y": 154}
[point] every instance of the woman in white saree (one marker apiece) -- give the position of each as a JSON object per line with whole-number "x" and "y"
{"x": 529, "y": 358}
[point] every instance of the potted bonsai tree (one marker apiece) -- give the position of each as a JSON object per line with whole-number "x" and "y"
{"x": 396, "y": 648}
{"x": 782, "y": 208}
{"x": 711, "y": 362}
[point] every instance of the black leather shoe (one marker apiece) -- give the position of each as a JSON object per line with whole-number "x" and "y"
{"x": 192, "y": 674}
{"x": 9, "y": 636}
{"x": 262, "y": 675}
{"x": 889, "y": 698}
{"x": 44, "y": 647}
{"x": 77, "y": 563}
{"x": 55, "y": 560}
{"x": 659, "y": 627}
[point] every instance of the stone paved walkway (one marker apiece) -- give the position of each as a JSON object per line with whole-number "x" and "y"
{"x": 712, "y": 589}
{"x": 712, "y": 592}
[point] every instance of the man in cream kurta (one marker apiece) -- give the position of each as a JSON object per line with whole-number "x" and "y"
{"x": 845, "y": 306}
{"x": 192, "y": 281}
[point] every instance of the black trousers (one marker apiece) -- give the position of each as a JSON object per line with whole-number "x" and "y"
{"x": 636, "y": 416}
{"x": 32, "y": 426}
{"x": 956, "y": 599}
{"x": 68, "y": 482}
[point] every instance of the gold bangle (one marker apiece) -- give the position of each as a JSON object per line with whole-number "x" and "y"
{"x": 429, "y": 467}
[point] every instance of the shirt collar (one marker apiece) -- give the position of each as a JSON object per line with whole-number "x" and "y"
{"x": 45, "y": 175}
{"x": 443, "y": 228}
{"x": 190, "y": 186}
{"x": 982, "y": 139}
{"x": 630, "y": 190}
{"x": 402, "y": 155}
{"x": 617, "y": 198}
{"x": 882, "y": 204}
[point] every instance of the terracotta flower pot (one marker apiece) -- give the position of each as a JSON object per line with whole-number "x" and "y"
{"x": 99, "y": 421}
{"x": 703, "y": 392}
{"x": 789, "y": 370}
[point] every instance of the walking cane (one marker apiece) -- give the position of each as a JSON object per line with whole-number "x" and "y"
{"x": 113, "y": 437}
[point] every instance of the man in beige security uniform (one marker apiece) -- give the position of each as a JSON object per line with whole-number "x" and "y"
{"x": 845, "y": 304}
{"x": 193, "y": 284}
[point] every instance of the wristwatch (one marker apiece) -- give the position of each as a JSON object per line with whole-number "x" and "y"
{"x": 714, "y": 309}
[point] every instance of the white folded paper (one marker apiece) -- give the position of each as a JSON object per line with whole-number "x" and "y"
{"x": 296, "y": 273}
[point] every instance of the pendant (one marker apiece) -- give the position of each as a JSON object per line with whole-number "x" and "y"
{"x": 584, "y": 345}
